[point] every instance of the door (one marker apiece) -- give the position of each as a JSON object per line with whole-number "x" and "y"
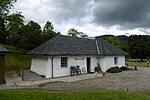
{"x": 88, "y": 63}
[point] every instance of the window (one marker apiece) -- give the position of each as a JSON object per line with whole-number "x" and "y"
{"x": 64, "y": 62}
{"x": 115, "y": 60}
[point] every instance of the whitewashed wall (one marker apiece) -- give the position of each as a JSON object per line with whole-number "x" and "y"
{"x": 94, "y": 61}
{"x": 58, "y": 71}
{"x": 108, "y": 62}
{"x": 43, "y": 64}
{"x": 49, "y": 68}
{"x": 72, "y": 61}
{"x": 39, "y": 65}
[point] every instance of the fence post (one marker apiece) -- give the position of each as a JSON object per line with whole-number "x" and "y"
{"x": 22, "y": 74}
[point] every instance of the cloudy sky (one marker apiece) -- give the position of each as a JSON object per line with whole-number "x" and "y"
{"x": 93, "y": 17}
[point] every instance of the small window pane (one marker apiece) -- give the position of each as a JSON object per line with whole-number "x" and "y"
{"x": 64, "y": 62}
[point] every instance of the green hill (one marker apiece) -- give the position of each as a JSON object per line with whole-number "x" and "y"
{"x": 17, "y": 58}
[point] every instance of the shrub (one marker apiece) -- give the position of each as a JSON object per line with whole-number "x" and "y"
{"x": 114, "y": 70}
{"x": 124, "y": 68}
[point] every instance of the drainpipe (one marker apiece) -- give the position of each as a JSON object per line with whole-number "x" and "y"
{"x": 52, "y": 67}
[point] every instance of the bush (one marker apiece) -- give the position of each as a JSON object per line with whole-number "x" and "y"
{"x": 124, "y": 68}
{"x": 114, "y": 70}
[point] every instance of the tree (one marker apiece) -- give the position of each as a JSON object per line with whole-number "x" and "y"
{"x": 5, "y": 6}
{"x": 139, "y": 46}
{"x": 16, "y": 20}
{"x": 30, "y": 35}
{"x": 48, "y": 31}
{"x": 74, "y": 32}
{"x": 3, "y": 34}
{"x": 114, "y": 41}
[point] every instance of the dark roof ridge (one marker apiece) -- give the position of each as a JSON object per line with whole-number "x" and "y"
{"x": 3, "y": 50}
{"x": 76, "y": 37}
{"x": 68, "y": 45}
{"x": 104, "y": 51}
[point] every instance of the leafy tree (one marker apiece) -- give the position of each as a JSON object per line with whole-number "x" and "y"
{"x": 16, "y": 20}
{"x": 74, "y": 32}
{"x": 3, "y": 34}
{"x": 139, "y": 46}
{"x": 114, "y": 41}
{"x": 118, "y": 43}
{"x": 5, "y": 6}
{"x": 30, "y": 35}
{"x": 48, "y": 31}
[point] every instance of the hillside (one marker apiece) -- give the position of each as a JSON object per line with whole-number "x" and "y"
{"x": 122, "y": 38}
{"x": 17, "y": 58}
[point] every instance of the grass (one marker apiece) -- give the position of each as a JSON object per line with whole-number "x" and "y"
{"x": 17, "y": 58}
{"x": 15, "y": 61}
{"x": 78, "y": 95}
{"x": 14, "y": 49}
{"x": 136, "y": 62}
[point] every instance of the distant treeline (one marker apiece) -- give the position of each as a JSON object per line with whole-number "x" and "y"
{"x": 138, "y": 46}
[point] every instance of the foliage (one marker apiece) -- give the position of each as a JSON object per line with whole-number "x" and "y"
{"x": 75, "y": 33}
{"x": 114, "y": 41}
{"x": 16, "y": 21}
{"x": 139, "y": 46}
{"x": 5, "y": 6}
{"x": 114, "y": 70}
{"x": 15, "y": 50}
{"x": 15, "y": 61}
{"x": 124, "y": 68}
{"x": 79, "y": 95}
{"x": 48, "y": 31}
{"x": 3, "y": 34}
{"x": 30, "y": 35}
{"x": 17, "y": 58}
{"x": 137, "y": 62}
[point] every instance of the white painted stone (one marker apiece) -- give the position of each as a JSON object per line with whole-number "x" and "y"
{"x": 43, "y": 64}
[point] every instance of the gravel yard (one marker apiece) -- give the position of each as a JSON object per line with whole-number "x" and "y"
{"x": 127, "y": 80}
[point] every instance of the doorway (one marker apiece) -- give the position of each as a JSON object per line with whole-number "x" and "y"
{"x": 88, "y": 63}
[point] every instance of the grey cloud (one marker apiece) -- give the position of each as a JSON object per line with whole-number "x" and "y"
{"x": 68, "y": 9}
{"x": 146, "y": 31}
{"x": 128, "y": 14}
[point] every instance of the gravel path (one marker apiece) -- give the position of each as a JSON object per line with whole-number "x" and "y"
{"x": 127, "y": 80}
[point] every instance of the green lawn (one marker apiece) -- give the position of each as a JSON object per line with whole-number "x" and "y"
{"x": 15, "y": 61}
{"x": 17, "y": 58}
{"x": 136, "y": 62}
{"x": 86, "y": 95}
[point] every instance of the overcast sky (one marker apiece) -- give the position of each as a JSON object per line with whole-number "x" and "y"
{"x": 93, "y": 17}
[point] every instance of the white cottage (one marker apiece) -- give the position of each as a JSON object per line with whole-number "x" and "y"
{"x": 54, "y": 57}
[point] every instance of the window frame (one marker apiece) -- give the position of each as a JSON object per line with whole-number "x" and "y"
{"x": 64, "y": 62}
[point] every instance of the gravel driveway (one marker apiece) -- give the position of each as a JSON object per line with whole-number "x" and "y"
{"x": 127, "y": 80}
